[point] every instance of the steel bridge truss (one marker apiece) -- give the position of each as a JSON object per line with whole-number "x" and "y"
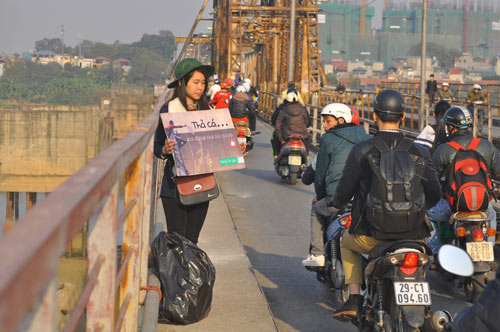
{"x": 252, "y": 39}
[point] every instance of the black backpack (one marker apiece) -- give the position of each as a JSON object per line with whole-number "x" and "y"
{"x": 468, "y": 185}
{"x": 395, "y": 204}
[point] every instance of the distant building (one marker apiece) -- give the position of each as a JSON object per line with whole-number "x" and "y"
{"x": 84, "y": 63}
{"x": 469, "y": 62}
{"x": 102, "y": 61}
{"x": 122, "y": 63}
{"x": 1, "y": 67}
{"x": 44, "y": 57}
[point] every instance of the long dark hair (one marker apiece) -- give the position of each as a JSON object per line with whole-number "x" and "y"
{"x": 440, "y": 136}
{"x": 180, "y": 92}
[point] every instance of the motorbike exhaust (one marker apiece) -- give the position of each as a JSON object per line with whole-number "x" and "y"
{"x": 439, "y": 321}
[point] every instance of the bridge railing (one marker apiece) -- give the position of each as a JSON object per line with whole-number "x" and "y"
{"x": 363, "y": 103}
{"x": 30, "y": 252}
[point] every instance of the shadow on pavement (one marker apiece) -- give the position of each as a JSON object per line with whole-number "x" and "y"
{"x": 284, "y": 280}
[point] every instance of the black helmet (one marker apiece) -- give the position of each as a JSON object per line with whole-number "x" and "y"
{"x": 389, "y": 102}
{"x": 458, "y": 117}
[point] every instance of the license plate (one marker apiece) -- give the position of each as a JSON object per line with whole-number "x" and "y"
{"x": 294, "y": 160}
{"x": 412, "y": 293}
{"x": 242, "y": 140}
{"x": 480, "y": 251}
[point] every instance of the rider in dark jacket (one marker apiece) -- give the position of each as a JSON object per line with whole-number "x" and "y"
{"x": 241, "y": 106}
{"x": 483, "y": 315}
{"x": 444, "y": 154}
{"x": 356, "y": 181}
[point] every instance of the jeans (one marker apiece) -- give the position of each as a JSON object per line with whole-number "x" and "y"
{"x": 441, "y": 214}
{"x": 318, "y": 226}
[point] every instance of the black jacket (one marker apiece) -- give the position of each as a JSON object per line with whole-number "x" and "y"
{"x": 356, "y": 178}
{"x": 444, "y": 154}
{"x": 240, "y": 108}
{"x": 431, "y": 87}
{"x": 483, "y": 315}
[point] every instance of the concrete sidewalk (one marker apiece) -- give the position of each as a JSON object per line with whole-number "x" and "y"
{"x": 238, "y": 303}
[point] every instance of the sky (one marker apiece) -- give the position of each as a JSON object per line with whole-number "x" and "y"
{"x": 22, "y": 22}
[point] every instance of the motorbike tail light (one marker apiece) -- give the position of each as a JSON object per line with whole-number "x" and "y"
{"x": 461, "y": 231}
{"x": 491, "y": 231}
{"x": 241, "y": 133}
{"x": 345, "y": 221}
{"x": 295, "y": 144}
{"x": 477, "y": 235}
{"x": 410, "y": 263}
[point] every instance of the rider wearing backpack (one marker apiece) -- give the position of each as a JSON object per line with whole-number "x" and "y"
{"x": 448, "y": 161}
{"x": 393, "y": 182}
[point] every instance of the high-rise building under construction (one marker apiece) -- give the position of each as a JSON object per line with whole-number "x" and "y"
{"x": 357, "y": 29}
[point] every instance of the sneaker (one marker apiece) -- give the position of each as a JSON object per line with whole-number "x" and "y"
{"x": 350, "y": 309}
{"x": 313, "y": 260}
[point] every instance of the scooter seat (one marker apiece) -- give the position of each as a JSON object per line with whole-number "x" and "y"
{"x": 388, "y": 247}
{"x": 478, "y": 215}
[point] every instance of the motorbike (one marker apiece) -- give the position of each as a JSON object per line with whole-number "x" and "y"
{"x": 292, "y": 159}
{"x": 457, "y": 262}
{"x": 243, "y": 132}
{"x": 332, "y": 274}
{"x": 480, "y": 113}
{"x": 471, "y": 230}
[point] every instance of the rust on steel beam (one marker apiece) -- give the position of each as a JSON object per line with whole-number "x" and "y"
{"x": 30, "y": 252}
{"x": 194, "y": 40}
{"x": 100, "y": 311}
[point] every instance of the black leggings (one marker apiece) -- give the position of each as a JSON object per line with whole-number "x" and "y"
{"x": 183, "y": 219}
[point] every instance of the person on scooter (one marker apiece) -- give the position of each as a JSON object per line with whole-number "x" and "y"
{"x": 458, "y": 122}
{"x": 241, "y": 106}
{"x": 292, "y": 119}
{"x": 223, "y": 96}
{"x": 445, "y": 93}
{"x": 371, "y": 223}
{"x": 291, "y": 85}
{"x": 339, "y": 138}
{"x": 474, "y": 97}
{"x": 434, "y": 135}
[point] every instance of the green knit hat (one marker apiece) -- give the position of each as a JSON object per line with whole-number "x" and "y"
{"x": 188, "y": 65}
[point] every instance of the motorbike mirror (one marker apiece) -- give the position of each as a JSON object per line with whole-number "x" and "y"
{"x": 455, "y": 260}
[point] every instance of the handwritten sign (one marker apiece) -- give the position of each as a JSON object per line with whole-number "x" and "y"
{"x": 206, "y": 141}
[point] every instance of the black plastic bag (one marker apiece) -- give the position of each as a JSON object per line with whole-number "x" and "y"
{"x": 187, "y": 278}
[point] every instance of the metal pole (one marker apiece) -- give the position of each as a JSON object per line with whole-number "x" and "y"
{"x": 62, "y": 40}
{"x": 188, "y": 39}
{"x": 291, "y": 49}
{"x": 422, "y": 67}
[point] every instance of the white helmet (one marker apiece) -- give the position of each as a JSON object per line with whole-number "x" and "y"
{"x": 247, "y": 80}
{"x": 476, "y": 86}
{"x": 445, "y": 84}
{"x": 246, "y": 85}
{"x": 292, "y": 97}
{"x": 338, "y": 111}
{"x": 241, "y": 88}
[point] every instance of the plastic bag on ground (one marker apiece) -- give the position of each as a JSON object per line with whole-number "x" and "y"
{"x": 187, "y": 278}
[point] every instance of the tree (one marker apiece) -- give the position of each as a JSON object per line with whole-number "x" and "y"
{"x": 332, "y": 79}
{"x": 493, "y": 61}
{"x": 163, "y": 43}
{"x": 148, "y": 67}
{"x": 446, "y": 57}
{"x": 52, "y": 44}
{"x": 354, "y": 82}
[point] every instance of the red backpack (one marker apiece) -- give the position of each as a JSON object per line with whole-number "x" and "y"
{"x": 468, "y": 186}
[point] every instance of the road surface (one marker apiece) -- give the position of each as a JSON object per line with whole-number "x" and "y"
{"x": 272, "y": 221}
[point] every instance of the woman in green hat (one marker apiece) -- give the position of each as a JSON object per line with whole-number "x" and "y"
{"x": 190, "y": 87}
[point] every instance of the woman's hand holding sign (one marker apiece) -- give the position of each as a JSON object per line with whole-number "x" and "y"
{"x": 169, "y": 146}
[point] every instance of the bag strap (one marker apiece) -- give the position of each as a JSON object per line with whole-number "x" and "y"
{"x": 457, "y": 146}
{"x": 474, "y": 143}
{"x": 379, "y": 144}
{"x": 404, "y": 145}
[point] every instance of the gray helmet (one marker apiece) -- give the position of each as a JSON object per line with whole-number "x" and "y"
{"x": 390, "y": 102}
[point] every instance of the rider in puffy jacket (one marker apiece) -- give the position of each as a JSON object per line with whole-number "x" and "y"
{"x": 241, "y": 106}
{"x": 340, "y": 137}
{"x": 293, "y": 119}
{"x": 222, "y": 97}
